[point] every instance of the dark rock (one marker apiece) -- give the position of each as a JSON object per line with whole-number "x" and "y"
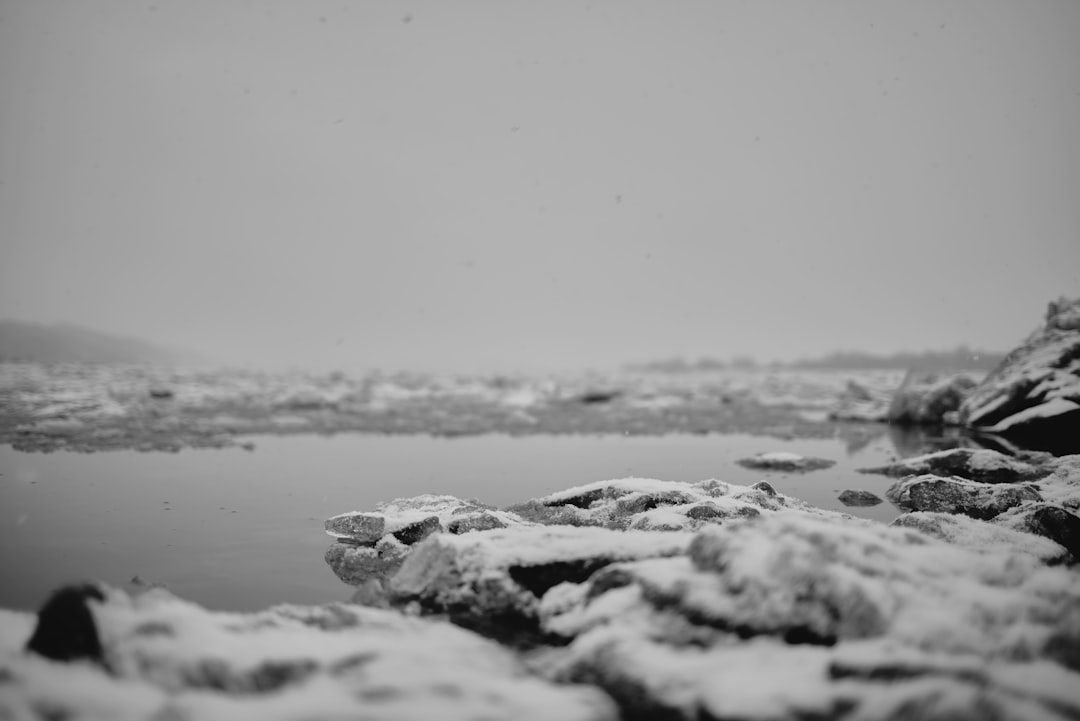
{"x": 1058, "y": 525}
{"x": 580, "y": 500}
{"x": 416, "y": 532}
{"x": 537, "y": 579}
{"x": 65, "y": 629}
{"x": 161, "y": 393}
{"x": 925, "y": 398}
{"x": 1034, "y": 395}
{"x": 956, "y": 495}
{"x": 598, "y": 396}
{"x": 859, "y": 498}
{"x": 983, "y": 465}
{"x": 704, "y": 512}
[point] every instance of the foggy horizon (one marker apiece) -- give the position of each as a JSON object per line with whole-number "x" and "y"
{"x": 478, "y": 186}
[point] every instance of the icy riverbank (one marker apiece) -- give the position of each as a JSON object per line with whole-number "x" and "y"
{"x": 631, "y": 598}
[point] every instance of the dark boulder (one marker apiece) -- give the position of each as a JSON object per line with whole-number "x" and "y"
{"x": 65, "y": 629}
{"x": 859, "y": 498}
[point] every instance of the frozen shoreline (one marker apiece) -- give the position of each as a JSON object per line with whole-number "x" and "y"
{"x": 631, "y": 598}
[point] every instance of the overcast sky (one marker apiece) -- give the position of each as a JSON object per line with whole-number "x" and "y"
{"x": 543, "y": 184}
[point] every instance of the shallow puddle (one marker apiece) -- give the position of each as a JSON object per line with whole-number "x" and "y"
{"x": 233, "y": 529}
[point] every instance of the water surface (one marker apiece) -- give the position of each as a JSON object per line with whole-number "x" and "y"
{"x": 234, "y": 529}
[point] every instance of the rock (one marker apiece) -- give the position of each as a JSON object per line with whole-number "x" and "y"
{"x": 371, "y": 546}
{"x": 418, "y": 531}
{"x": 475, "y": 522}
{"x": 957, "y": 495}
{"x": 997, "y": 537}
{"x": 783, "y": 461}
{"x": 1049, "y": 521}
{"x": 1062, "y": 486}
{"x": 1034, "y": 395}
{"x": 496, "y": 578}
{"x": 859, "y": 498}
{"x": 355, "y": 565}
{"x": 790, "y": 616}
{"x": 926, "y": 398}
{"x": 982, "y": 465}
{"x": 594, "y": 397}
{"x": 361, "y": 528}
{"x": 65, "y": 629}
{"x": 650, "y": 504}
{"x": 171, "y": 659}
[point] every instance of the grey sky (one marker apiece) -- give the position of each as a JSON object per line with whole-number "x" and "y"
{"x": 521, "y": 185}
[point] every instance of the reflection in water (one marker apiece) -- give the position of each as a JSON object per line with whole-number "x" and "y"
{"x": 910, "y": 441}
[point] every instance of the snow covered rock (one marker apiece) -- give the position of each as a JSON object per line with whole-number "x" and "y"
{"x": 164, "y": 658}
{"x": 926, "y": 398}
{"x": 1002, "y": 536}
{"x": 1035, "y": 393}
{"x": 492, "y": 581}
{"x": 784, "y": 461}
{"x": 958, "y": 495}
{"x": 790, "y": 616}
{"x": 647, "y": 503}
{"x": 371, "y": 546}
{"x": 982, "y": 465}
{"x": 1049, "y": 521}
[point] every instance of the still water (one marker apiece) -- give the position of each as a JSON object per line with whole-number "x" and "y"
{"x": 234, "y": 529}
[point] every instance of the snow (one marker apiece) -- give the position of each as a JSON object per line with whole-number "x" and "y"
{"x": 173, "y": 659}
{"x": 779, "y": 457}
{"x": 980, "y": 536}
{"x": 620, "y": 486}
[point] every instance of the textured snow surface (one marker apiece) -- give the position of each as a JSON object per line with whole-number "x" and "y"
{"x": 172, "y": 659}
{"x": 887, "y": 619}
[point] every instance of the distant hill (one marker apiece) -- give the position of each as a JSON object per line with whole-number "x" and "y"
{"x": 961, "y": 358}
{"x": 65, "y": 343}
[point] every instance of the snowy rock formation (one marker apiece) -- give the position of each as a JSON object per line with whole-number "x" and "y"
{"x": 163, "y": 658}
{"x": 371, "y": 546}
{"x": 1035, "y": 393}
{"x": 982, "y": 465}
{"x": 789, "y": 616}
{"x": 927, "y": 399}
